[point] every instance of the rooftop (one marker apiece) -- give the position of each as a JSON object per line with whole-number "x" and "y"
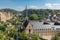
{"x": 40, "y": 25}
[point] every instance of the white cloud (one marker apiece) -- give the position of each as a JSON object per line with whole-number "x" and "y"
{"x": 46, "y": 6}
{"x": 52, "y": 6}
{"x": 33, "y": 7}
{"x": 19, "y": 8}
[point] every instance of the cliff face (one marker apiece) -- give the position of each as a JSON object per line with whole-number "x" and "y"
{"x": 4, "y": 16}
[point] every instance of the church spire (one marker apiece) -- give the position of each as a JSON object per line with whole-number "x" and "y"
{"x": 26, "y": 13}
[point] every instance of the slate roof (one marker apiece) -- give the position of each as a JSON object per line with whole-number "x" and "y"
{"x": 40, "y": 25}
{"x": 25, "y": 23}
{"x": 56, "y": 23}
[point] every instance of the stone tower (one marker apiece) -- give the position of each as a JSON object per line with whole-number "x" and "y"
{"x": 26, "y": 13}
{"x": 53, "y": 16}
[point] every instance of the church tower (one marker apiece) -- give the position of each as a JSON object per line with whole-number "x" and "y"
{"x": 26, "y": 18}
{"x": 53, "y": 16}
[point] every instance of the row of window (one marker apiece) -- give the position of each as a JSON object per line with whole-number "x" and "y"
{"x": 38, "y": 32}
{"x": 44, "y": 29}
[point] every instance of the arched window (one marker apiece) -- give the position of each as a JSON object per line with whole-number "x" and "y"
{"x": 29, "y": 31}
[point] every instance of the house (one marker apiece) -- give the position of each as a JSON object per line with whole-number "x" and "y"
{"x": 28, "y": 27}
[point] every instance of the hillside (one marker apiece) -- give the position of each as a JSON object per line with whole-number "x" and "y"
{"x": 10, "y": 10}
{"x": 31, "y": 11}
{"x": 41, "y": 13}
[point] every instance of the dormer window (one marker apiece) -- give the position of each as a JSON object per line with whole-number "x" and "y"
{"x": 45, "y": 23}
{"x": 56, "y": 23}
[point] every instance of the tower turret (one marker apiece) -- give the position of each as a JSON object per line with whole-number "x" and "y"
{"x": 54, "y": 17}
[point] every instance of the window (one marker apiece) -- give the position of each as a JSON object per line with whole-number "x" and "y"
{"x": 29, "y": 31}
{"x": 56, "y": 23}
{"x": 46, "y": 23}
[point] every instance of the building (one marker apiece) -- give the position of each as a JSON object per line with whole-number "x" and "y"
{"x": 4, "y": 16}
{"x": 43, "y": 30}
{"x": 46, "y": 29}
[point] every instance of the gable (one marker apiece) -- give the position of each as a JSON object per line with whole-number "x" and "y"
{"x": 29, "y": 26}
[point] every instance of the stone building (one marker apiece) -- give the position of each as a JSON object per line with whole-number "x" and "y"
{"x": 4, "y": 16}
{"x": 46, "y": 31}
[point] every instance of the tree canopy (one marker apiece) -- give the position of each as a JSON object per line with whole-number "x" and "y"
{"x": 34, "y": 17}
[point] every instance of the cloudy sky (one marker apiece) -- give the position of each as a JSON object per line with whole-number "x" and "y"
{"x": 34, "y": 4}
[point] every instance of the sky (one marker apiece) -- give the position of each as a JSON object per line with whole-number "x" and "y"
{"x": 31, "y": 4}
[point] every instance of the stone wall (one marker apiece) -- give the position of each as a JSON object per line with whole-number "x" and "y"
{"x": 4, "y": 16}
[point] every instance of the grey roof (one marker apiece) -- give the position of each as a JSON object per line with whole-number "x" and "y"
{"x": 40, "y": 25}
{"x": 25, "y": 23}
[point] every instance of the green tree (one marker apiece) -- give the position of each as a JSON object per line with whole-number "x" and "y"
{"x": 23, "y": 35}
{"x": 34, "y": 17}
{"x": 56, "y": 37}
{"x": 3, "y": 26}
{"x": 4, "y": 36}
{"x": 34, "y": 37}
{"x": 41, "y": 17}
{"x": 11, "y": 31}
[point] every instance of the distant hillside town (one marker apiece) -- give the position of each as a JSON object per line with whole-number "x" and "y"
{"x": 43, "y": 22}
{"x": 47, "y": 28}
